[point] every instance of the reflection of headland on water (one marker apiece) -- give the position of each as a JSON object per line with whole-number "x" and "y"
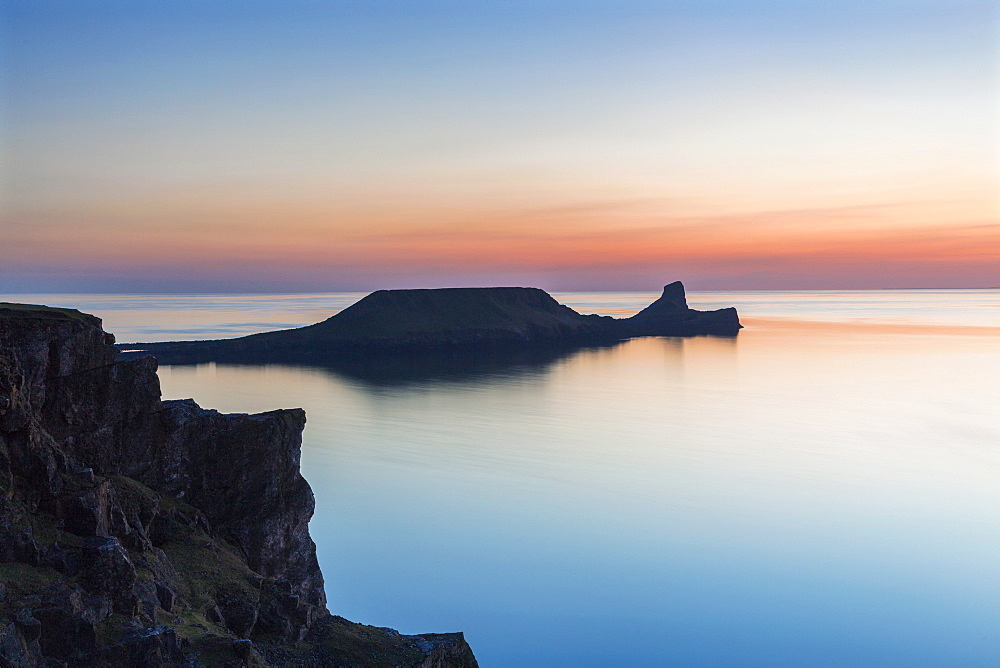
{"x": 388, "y": 369}
{"x": 402, "y": 368}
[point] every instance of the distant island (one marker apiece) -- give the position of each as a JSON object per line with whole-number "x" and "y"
{"x": 446, "y": 318}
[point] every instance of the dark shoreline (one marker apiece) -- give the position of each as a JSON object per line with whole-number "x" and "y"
{"x": 425, "y": 322}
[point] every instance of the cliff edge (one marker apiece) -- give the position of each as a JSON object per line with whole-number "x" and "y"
{"x": 141, "y": 532}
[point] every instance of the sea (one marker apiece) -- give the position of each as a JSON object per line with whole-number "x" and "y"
{"x": 822, "y": 489}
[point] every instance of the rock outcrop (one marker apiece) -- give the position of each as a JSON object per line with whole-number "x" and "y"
{"x": 140, "y": 532}
{"x": 671, "y": 316}
{"x": 394, "y": 321}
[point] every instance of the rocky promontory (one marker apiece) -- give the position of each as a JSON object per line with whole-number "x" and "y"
{"x": 141, "y": 532}
{"x": 402, "y": 321}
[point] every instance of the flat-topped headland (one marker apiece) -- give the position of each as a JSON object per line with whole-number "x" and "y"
{"x": 142, "y": 532}
{"x": 397, "y": 321}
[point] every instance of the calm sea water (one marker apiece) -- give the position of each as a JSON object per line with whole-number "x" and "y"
{"x": 823, "y": 489}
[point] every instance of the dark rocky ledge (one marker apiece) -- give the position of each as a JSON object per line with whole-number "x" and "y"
{"x": 407, "y": 321}
{"x": 141, "y": 532}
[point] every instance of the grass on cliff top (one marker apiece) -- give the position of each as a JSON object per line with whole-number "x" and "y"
{"x": 40, "y": 311}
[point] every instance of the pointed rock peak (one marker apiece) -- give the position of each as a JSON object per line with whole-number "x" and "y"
{"x": 674, "y": 294}
{"x": 670, "y": 304}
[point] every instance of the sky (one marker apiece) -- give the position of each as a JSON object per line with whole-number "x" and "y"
{"x": 224, "y": 145}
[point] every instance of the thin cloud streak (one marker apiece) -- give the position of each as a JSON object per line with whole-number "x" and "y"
{"x": 715, "y": 250}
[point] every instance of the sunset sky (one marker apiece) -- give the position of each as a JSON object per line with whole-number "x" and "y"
{"x": 210, "y": 145}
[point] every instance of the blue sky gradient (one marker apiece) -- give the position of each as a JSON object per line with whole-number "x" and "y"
{"x": 307, "y": 145}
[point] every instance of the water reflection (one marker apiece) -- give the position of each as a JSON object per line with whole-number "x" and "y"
{"x": 798, "y": 495}
{"x": 395, "y": 370}
{"x": 452, "y": 367}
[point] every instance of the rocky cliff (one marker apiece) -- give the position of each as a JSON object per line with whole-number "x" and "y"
{"x": 670, "y": 315}
{"x": 396, "y": 321}
{"x": 141, "y": 532}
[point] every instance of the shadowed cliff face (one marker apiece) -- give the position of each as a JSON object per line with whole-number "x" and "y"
{"x": 140, "y": 532}
{"x": 393, "y": 321}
